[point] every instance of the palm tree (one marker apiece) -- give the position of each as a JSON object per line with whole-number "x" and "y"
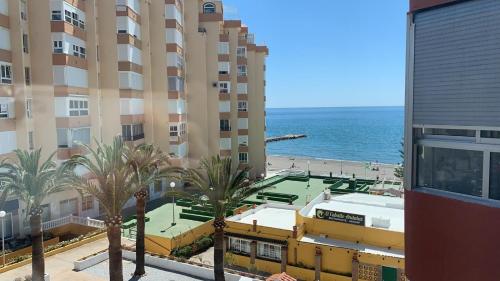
{"x": 110, "y": 178}
{"x": 150, "y": 166}
{"x": 32, "y": 180}
{"x": 224, "y": 188}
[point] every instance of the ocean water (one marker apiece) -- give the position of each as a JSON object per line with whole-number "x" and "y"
{"x": 348, "y": 133}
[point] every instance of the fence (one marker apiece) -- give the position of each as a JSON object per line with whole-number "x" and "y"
{"x": 72, "y": 220}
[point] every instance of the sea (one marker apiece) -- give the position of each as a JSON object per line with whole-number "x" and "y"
{"x": 367, "y": 134}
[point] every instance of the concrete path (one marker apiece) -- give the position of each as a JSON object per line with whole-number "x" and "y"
{"x": 60, "y": 266}
{"x": 206, "y": 257}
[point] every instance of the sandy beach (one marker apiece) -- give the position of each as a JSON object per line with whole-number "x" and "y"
{"x": 325, "y": 166}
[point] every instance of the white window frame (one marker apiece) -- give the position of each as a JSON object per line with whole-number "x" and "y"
{"x": 174, "y": 130}
{"x": 241, "y": 51}
{"x": 29, "y": 108}
{"x": 224, "y": 87}
{"x": 242, "y": 70}
{"x": 242, "y": 88}
{"x": 4, "y": 110}
{"x": 223, "y": 48}
{"x": 238, "y": 245}
{"x": 268, "y": 251}
{"x": 243, "y": 157}
{"x": 58, "y": 47}
{"x": 78, "y": 107}
{"x": 224, "y": 68}
{"x": 242, "y": 108}
{"x": 5, "y": 73}
{"x": 209, "y": 8}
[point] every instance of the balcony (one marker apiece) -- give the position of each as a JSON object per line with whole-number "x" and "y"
{"x": 67, "y": 60}
{"x": 62, "y": 26}
{"x": 133, "y": 138}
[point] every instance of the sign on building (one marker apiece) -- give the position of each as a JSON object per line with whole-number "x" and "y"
{"x": 340, "y": 217}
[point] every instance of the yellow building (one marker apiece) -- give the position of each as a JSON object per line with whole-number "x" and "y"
{"x": 348, "y": 237}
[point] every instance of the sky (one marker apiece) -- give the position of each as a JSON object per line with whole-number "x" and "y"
{"x": 329, "y": 53}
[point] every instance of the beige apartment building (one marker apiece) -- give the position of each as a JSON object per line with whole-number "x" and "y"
{"x": 172, "y": 73}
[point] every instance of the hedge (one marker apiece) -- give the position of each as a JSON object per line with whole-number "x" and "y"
{"x": 196, "y": 212}
{"x": 195, "y": 217}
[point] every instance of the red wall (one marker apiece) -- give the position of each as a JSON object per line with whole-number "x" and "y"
{"x": 422, "y": 4}
{"x": 450, "y": 240}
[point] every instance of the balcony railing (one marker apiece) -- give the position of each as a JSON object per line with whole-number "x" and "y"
{"x": 72, "y": 220}
{"x": 133, "y": 138}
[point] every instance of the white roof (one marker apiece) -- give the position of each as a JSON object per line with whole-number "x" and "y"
{"x": 378, "y": 210}
{"x": 362, "y": 248}
{"x": 269, "y": 215}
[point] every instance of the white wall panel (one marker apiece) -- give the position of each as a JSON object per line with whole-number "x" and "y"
{"x": 131, "y": 80}
{"x": 130, "y": 53}
{"x": 4, "y": 38}
{"x": 70, "y": 76}
{"x": 8, "y": 142}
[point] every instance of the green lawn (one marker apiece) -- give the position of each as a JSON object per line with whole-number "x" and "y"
{"x": 298, "y": 188}
{"x": 161, "y": 220}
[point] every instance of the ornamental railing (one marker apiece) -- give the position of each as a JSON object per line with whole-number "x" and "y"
{"x": 72, "y": 220}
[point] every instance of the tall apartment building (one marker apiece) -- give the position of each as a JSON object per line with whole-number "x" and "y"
{"x": 168, "y": 72}
{"x": 452, "y": 136}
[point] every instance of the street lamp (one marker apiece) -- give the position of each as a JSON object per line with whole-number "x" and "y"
{"x": 2, "y": 217}
{"x": 172, "y": 185}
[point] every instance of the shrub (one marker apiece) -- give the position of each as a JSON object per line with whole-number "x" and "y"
{"x": 185, "y": 252}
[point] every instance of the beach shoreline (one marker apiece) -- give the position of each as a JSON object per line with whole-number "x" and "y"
{"x": 319, "y": 166}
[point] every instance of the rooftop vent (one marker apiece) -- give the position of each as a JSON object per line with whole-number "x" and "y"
{"x": 327, "y": 195}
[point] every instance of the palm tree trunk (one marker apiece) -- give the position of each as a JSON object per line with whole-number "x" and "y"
{"x": 37, "y": 262}
{"x": 219, "y": 253}
{"x": 139, "y": 239}
{"x": 115, "y": 252}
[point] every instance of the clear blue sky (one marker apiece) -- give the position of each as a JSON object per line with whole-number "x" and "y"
{"x": 329, "y": 52}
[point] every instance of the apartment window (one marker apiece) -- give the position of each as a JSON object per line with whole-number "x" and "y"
{"x": 175, "y": 83}
{"x": 223, "y": 48}
{"x": 452, "y": 170}
{"x": 29, "y": 110}
{"x": 242, "y": 70}
{"x": 242, "y": 140}
{"x": 224, "y": 87}
{"x": 174, "y": 131}
{"x": 450, "y": 132}
{"x": 209, "y": 8}
{"x": 242, "y": 88}
{"x": 4, "y": 110}
{"x": 78, "y": 108}
{"x": 80, "y": 135}
{"x": 25, "y": 43}
{"x": 56, "y": 15}
{"x": 24, "y": 11}
{"x": 31, "y": 142}
{"x": 87, "y": 202}
{"x": 243, "y": 157}
{"x": 58, "y": 47}
{"x": 183, "y": 129}
{"x": 269, "y": 251}
{"x": 494, "y": 192}
{"x": 240, "y": 246}
{"x": 241, "y": 52}
{"x": 67, "y": 16}
{"x": 225, "y": 125}
{"x": 122, "y": 31}
{"x": 27, "y": 76}
{"x": 132, "y": 132}
{"x": 242, "y": 106}
{"x": 75, "y": 20}
{"x": 6, "y": 73}
{"x": 68, "y": 207}
{"x": 224, "y": 68}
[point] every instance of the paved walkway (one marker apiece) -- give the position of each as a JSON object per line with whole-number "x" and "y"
{"x": 60, "y": 266}
{"x": 206, "y": 257}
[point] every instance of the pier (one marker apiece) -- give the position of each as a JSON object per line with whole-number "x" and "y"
{"x": 285, "y": 137}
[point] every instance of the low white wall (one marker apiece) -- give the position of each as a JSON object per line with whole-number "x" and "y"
{"x": 89, "y": 262}
{"x": 185, "y": 268}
